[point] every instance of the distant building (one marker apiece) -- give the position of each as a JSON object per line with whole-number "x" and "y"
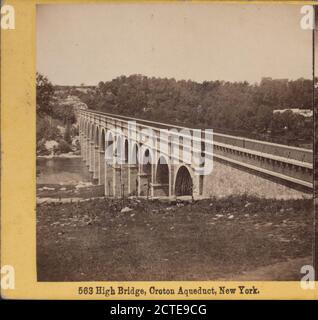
{"x": 270, "y": 79}
{"x": 307, "y": 113}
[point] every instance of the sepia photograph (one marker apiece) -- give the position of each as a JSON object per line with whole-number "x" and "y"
{"x": 174, "y": 142}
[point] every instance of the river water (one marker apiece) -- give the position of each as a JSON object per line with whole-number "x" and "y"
{"x": 67, "y": 171}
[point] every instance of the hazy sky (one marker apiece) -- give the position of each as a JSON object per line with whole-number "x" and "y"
{"x": 91, "y": 43}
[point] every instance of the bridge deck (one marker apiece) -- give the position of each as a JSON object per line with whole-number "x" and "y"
{"x": 284, "y": 162}
{"x": 290, "y": 152}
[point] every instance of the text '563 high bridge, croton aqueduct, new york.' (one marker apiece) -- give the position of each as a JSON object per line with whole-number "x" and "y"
{"x": 131, "y": 156}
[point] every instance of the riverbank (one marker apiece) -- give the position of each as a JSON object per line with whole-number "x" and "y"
{"x": 81, "y": 191}
{"x": 135, "y": 239}
{"x": 69, "y": 155}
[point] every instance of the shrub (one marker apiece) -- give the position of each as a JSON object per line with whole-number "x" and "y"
{"x": 64, "y": 147}
{"x": 41, "y": 148}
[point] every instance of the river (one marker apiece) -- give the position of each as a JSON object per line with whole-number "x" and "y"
{"x": 67, "y": 171}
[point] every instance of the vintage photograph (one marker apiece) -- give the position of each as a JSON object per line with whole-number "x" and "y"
{"x": 174, "y": 142}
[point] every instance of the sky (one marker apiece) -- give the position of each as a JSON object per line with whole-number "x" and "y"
{"x": 198, "y": 41}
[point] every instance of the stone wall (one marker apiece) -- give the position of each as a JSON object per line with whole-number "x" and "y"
{"x": 227, "y": 180}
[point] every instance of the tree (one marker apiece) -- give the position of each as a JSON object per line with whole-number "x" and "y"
{"x": 44, "y": 94}
{"x": 237, "y": 108}
{"x": 67, "y": 133}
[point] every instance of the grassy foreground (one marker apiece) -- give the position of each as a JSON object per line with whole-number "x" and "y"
{"x": 232, "y": 238}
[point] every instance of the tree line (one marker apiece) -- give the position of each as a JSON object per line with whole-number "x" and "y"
{"x": 236, "y": 108}
{"x": 54, "y": 119}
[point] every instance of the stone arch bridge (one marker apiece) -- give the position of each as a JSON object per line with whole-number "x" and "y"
{"x": 131, "y": 156}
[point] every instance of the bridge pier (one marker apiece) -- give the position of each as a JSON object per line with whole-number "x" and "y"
{"x": 120, "y": 180}
{"x": 125, "y": 173}
{"x": 109, "y": 177}
{"x": 101, "y": 171}
{"x": 144, "y": 184}
{"x": 198, "y": 185}
{"x": 132, "y": 179}
{"x": 91, "y": 157}
{"x": 160, "y": 189}
{"x": 83, "y": 146}
{"x": 145, "y": 178}
{"x": 96, "y": 163}
{"x": 87, "y": 151}
{"x": 117, "y": 181}
{"x": 172, "y": 174}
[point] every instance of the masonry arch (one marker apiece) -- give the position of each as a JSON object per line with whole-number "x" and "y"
{"x": 96, "y": 136}
{"x": 126, "y": 150}
{"x": 109, "y": 152}
{"x": 85, "y": 128}
{"x": 146, "y": 167}
{"x": 102, "y": 140}
{"x": 162, "y": 171}
{"x": 91, "y": 132}
{"x": 134, "y": 154}
{"x": 109, "y": 137}
{"x": 133, "y": 161}
{"x": 88, "y": 124}
{"x": 146, "y": 161}
{"x": 183, "y": 182}
{"x": 102, "y": 146}
{"x": 119, "y": 149}
{"x": 109, "y": 142}
{"x": 180, "y": 145}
